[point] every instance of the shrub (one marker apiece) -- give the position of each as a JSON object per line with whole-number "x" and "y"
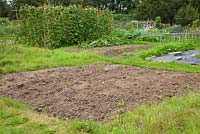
{"x": 196, "y": 24}
{"x": 186, "y": 15}
{"x": 163, "y": 26}
{"x": 58, "y": 26}
{"x": 170, "y": 47}
{"x": 158, "y": 22}
{"x": 8, "y": 28}
{"x": 148, "y": 38}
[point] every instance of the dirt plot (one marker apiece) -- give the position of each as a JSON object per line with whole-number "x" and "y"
{"x": 94, "y": 91}
{"x": 117, "y": 51}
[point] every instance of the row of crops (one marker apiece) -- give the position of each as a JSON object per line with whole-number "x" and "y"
{"x": 59, "y": 26}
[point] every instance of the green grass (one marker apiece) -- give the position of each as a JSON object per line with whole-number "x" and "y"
{"x": 170, "y": 47}
{"x": 17, "y": 58}
{"x": 177, "y": 115}
{"x": 161, "y": 49}
{"x": 16, "y": 118}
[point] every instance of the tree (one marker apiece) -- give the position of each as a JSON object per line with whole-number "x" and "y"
{"x": 4, "y": 8}
{"x": 195, "y": 4}
{"x": 186, "y": 15}
{"x": 166, "y": 9}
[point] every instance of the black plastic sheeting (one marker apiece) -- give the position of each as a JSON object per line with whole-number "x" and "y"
{"x": 188, "y": 57}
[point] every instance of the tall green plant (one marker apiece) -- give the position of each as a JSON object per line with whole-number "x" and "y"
{"x": 158, "y": 22}
{"x": 58, "y": 26}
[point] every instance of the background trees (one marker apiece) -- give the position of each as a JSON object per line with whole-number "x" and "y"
{"x": 186, "y": 15}
{"x": 4, "y": 8}
{"x": 168, "y": 10}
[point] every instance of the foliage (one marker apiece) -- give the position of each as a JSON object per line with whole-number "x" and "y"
{"x": 4, "y": 8}
{"x": 196, "y": 24}
{"x": 142, "y": 9}
{"x": 167, "y": 48}
{"x": 54, "y": 27}
{"x": 186, "y": 15}
{"x": 8, "y": 28}
{"x": 118, "y": 37}
{"x": 123, "y": 36}
{"x": 148, "y": 38}
{"x": 123, "y": 21}
{"x": 166, "y": 9}
{"x": 198, "y": 56}
{"x": 4, "y": 21}
{"x": 164, "y": 26}
{"x": 158, "y": 22}
{"x": 123, "y": 17}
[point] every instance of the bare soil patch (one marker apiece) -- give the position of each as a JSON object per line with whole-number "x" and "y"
{"x": 93, "y": 92}
{"x": 117, "y": 51}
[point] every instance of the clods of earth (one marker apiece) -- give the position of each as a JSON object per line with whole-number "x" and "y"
{"x": 93, "y": 92}
{"x": 188, "y": 57}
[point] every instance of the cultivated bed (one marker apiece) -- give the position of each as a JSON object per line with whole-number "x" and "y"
{"x": 97, "y": 92}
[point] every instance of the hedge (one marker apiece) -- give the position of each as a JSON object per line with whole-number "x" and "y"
{"x": 59, "y": 26}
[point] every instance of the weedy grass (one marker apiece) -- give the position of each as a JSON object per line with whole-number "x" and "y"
{"x": 17, "y": 118}
{"x": 177, "y": 115}
{"x": 16, "y": 58}
{"x": 8, "y": 28}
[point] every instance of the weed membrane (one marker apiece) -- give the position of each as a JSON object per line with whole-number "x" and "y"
{"x": 188, "y": 57}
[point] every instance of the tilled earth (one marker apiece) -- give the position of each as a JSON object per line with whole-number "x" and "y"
{"x": 94, "y": 91}
{"x": 115, "y": 51}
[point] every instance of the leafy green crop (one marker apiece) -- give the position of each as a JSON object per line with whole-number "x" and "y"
{"x": 58, "y": 26}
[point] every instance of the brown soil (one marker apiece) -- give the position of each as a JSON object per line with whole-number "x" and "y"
{"x": 117, "y": 51}
{"x": 93, "y": 92}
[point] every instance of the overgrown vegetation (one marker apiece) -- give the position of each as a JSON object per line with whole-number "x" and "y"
{"x": 170, "y": 47}
{"x": 8, "y": 28}
{"x": 54, "y": 27}
{"x": 124, "y": 36}
{"x": 178, "y": 115}
{"x": 15, "y": 58}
